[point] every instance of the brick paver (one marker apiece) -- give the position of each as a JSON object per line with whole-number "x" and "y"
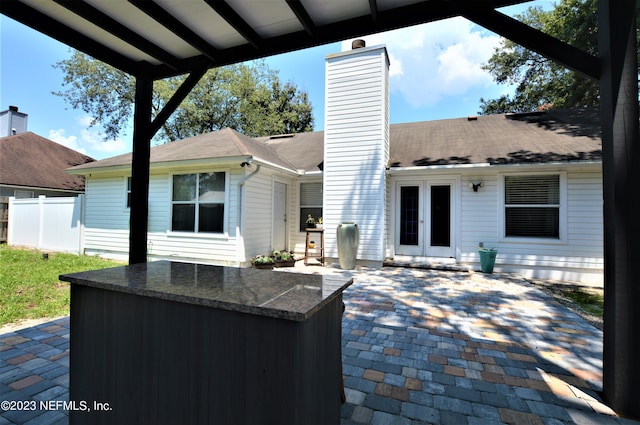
{"x": 483, "y": 349}
{"x": 419, "y": 347}
{"x": 34, "y": 368}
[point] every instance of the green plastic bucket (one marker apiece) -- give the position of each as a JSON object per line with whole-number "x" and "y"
{"x": 487, "y": 259}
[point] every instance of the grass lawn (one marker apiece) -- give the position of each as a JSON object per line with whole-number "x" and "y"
{"x": 29, "y": 285}
{"x": 587, "y": 302}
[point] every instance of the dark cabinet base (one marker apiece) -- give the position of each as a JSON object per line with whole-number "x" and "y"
{"x": 154, "y": 361}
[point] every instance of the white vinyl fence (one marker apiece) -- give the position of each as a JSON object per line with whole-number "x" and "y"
{"x": 52, "y": 224}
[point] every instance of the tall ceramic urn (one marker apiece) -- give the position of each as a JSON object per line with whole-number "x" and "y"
{"x": 348, "y": 236}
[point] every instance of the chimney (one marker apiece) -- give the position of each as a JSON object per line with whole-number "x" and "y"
{"x": 12, "y": 122}
{"x": 356, "y": 147}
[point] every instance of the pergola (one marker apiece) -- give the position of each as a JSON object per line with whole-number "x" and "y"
{"x": 154, "y": 39}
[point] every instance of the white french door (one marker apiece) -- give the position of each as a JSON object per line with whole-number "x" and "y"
{"x": 425, "y": 212}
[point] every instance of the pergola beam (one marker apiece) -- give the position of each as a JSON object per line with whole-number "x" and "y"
{"x": 533, "y": 39}
{"x": 66, "y": 35}
{"x": 155, "y": 11}
{"x": 104, "y": 21}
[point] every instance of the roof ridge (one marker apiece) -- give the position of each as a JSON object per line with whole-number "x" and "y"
{"x": 237, "y": 140}
{"x": 242, "y": 147}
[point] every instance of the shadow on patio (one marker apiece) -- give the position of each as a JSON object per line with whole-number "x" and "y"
{"x": 419, "y": 346}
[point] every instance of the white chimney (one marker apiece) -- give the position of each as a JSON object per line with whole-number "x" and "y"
{"x": 12, "y": 122}
{"x": 356, "y": 147}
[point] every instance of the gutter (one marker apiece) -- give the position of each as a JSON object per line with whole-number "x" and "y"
{"x": 577, "y": 163}
{"x": 241, "y": 211}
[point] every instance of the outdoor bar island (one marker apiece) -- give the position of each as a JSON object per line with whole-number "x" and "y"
{"x": 178, "y": 343}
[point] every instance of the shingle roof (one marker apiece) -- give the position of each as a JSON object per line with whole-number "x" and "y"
{"x": 27, "y": 159}
{"x": 225, "y": 143}
{"x": 555, "y": 135}
{"x": 551, "y": 136}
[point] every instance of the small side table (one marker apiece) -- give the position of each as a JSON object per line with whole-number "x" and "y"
{"x": 319, "y": 249}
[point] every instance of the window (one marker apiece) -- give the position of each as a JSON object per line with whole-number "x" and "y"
{"x": 128, "y": 192}
{"x": 198, "y": 203}
{"x": 310, "y": 202}
{"x": 23, "y": 194}
{"x": 532, "y": 206}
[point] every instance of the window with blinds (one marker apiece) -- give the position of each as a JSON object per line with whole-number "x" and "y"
{"x": 310, "y": 202}
{"x": 532, "y": 206}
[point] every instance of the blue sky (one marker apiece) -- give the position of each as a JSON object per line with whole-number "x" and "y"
{"x": 434, "y": 74}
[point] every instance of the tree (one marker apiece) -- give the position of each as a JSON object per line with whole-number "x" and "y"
{"x": 248, "y": 97}
{"x": 540, "y": 81}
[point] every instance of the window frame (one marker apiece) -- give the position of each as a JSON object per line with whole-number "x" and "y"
{"x": 225, "y": 205}
{"x": 301, "y": 217}
{"x": 127, "y": 192}
{"x": 562, "y": 210}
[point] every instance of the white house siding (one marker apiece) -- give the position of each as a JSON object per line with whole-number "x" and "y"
{"x": 579, "y": 257}
{"x": 258, "y": 210}
{"x": 356, "y": 148}
{"x": 107, "y": 222}
{"x": 106, "y": 217}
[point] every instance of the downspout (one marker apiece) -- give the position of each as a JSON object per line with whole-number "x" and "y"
{"x": 241, "y": 210}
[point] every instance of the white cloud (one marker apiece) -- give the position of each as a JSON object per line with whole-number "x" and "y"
{"x": 433, "y": 61}
{"x": 90, "y": 142}
{"x": 71, "y": 142}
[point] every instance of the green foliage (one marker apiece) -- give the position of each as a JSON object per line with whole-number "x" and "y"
{"x": 262, "y": 259}
{"x": 247, "y": 97}
{"x": 590, "y": 301}
{"x": 29, "y": 285}
{"x": 540, "y": 81}
{"x": 278, "y": 255}
{"x": 100, "y": 90}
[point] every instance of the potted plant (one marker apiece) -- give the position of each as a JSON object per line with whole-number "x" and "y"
{"x": 319, "y": 223}
{"x": 311, "y": 222}
{"x": 283, "y": 258}
{"x": 262, "y": 262}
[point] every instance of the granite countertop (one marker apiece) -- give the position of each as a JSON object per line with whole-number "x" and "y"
{"x": 290, "y": 296}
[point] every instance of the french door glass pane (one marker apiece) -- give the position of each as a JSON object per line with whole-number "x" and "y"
{"x": 440, "y": 215}
{"x": 409, "y": 215}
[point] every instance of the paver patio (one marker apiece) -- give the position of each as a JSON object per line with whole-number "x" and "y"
{"x": 419, "y": 346}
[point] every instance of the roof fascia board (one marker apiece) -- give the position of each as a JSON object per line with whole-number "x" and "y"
{"x": 276, "y": 166}
{"x": 176, "y": 165}
{"x": 485, "y": 165}
{"x": 48, "y": 189}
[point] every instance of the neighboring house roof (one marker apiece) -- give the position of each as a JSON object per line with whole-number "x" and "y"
{"x": 29, "y": 160}
{"x": 551, "y": 136}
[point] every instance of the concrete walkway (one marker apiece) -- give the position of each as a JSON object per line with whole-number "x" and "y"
{"x": 419, "y": 347}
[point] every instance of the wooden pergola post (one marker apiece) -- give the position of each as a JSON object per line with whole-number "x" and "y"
{"x": 142, "y": 135}
{"x": 621, "y": 180}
